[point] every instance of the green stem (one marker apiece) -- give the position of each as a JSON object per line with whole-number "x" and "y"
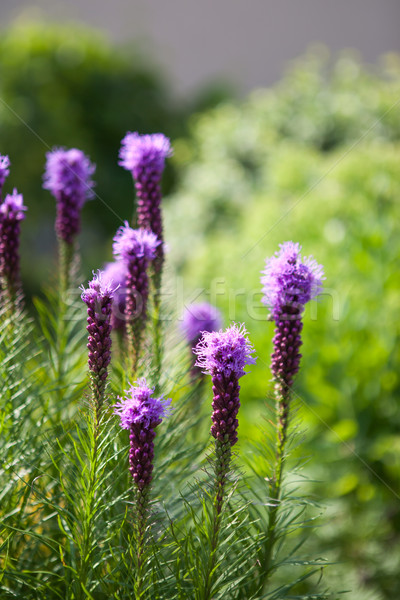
{"x": 222, "y": 461}
{"x": 133, "y": 333}
{"x": 141, "y": 502}
{"x": 282, "y": 408}
{"x": 66, "y": 255}
{"x": 97, "y": 387}
{"x": 157, "y": 327}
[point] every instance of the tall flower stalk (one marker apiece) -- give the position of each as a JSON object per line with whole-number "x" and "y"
{"x": 144, "y": 156}
{"x": 136, "y": 248}
{"x": 223, "y": 355}
{"x": 11, "y": 214}
{"x": 140, "y": 413}
{"x": 68, "y": 176}
{"x": 289, "y": 282}
{"x": 98, "y": 298}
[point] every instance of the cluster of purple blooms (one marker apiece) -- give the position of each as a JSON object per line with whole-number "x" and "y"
{"x": 144, "y": 156}
{"x": 135, "y": 248}
{"x": 223, "y": 355}
{"x": 98, "y": 297}
{"x": 289, "y": 282}
{"x": 140, "y": 413}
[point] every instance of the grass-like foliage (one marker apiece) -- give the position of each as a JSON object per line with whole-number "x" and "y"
{"x": 111, "y": 484}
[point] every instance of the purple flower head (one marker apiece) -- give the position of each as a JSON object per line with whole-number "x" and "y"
{"x": 198, "y": 318}
{"x": 144, "y": 152}
{"x": 134, "y": 243}
{"x": 68, "y": 177}
{"x": 138, "y": 406}
{"x": 13, "y": 207}
{"x": 4, "y": 170}
{"x": 225, "y": 352}
{"x": 290, "y": 280}
{"x": 69, "y": 172}
{"x": 116, "y": 273}
{"x": 99, "y": 289}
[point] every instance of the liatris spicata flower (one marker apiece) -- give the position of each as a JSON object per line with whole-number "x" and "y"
{"x": 68, "y": 177}
{"x": 197, "y": 318}
{"x": 144, "y": 156}
{"x": 4, "y": 171}
{"x": 289, "y": 282}
{"x": 136, "y": 248}
{"x": 11, "y": 215}
{"x": 222, "y": 354}
{"x": 98, "y": 299}
{"x": 116, "y": 273}
{"x": 140, "y": 413}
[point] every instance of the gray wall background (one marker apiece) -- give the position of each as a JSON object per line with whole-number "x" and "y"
{"x": 247, "y": 41}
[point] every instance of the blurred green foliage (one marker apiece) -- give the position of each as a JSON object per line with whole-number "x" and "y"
{"x": 66, "y": 85}
{"x": 316, "y": 160}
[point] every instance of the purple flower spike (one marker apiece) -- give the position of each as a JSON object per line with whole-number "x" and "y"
{"x": 98, "y": 299}
{"x": 136, "y": 248}
{"x": 140, "y": 413}
{"x": 144, "y": 156}
{"x": 68, "y": 177}
{"x": 4, "y": 171}
{"x": 289, "y": 282}
{"x": 116, "y": 273}
{"x": 11, "y": 215}
{"x": 224, "y": 354}
{"x": 198, "y": 318}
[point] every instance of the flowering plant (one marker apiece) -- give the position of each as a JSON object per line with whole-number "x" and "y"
{"x": 125, "y": 494}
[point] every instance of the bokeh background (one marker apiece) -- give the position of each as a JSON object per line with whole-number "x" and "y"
{"x": 285, "y": 120}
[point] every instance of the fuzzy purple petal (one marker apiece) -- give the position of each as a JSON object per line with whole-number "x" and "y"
{"x": 13, "y": 207}
{"x": 144, "y": 152}
{"x": 288, "y": 279}
{"x": 139, "y": 406}
{"x": 225, "y": 352}
{"x": 69, "y": 172}
{"x": 134, "y": 243}
{"x": 99, "y": 288}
